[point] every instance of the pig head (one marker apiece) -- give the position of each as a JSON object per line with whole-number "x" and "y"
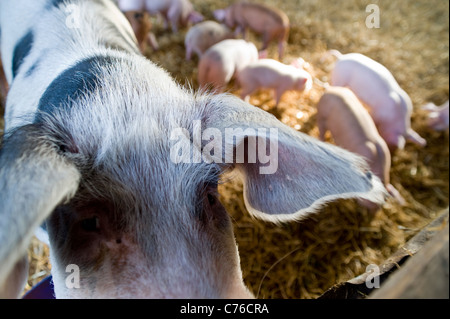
{"x": 123, "y": 164}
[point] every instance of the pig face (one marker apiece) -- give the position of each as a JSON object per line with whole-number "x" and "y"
{"x": 132, "y": 230}
{"x": 128, "y": 244}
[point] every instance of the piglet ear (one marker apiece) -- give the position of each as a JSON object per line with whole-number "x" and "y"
{"x": 34, "y": 179}
{"x": 287, "y": 174}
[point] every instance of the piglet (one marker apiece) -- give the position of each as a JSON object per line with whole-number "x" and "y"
{"x": 271, "y": 23}
{"x": 202, "y": 36}
{"x": 390, "y": 106}
{"x": 141, "y": 24}
{"x": 340, "y": 112}
{"x": 223, "y": 61}
{"x": 176, "y": 12}
{"x": 268, "y": 73}
{"x": 437, "y": 116}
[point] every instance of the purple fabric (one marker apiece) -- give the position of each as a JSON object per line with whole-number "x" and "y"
{"x": 43, "y": 290}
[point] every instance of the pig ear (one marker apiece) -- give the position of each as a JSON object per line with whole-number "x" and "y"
{"x": 299, "y": 173}
{"x": 34, "y": 179}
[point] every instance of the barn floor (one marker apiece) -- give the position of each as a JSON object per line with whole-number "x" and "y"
{"x": 302, "y": 260}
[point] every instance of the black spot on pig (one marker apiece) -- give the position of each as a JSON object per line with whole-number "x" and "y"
{"x": 31, "y": 70}
{"x": 21, "y": 51}
{"x": 73, "y": 83}
{"x": 55, "y": 3}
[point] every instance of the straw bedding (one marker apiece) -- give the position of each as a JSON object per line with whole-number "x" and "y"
{"x": 302, "y": 260}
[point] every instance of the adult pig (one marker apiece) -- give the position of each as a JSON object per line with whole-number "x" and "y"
{"x": 271, "y": 23}
{"x": 268, "y": 73}
{"x": 340, "y": 112}
{"x": 390, "y": 106}
{"x": 223, "y": 61}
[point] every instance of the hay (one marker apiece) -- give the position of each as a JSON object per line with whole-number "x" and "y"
{"x": 39, "y": 263}
{"x": 302, "y": 260}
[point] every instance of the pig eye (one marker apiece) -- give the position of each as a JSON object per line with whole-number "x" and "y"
{"x": 207, "y": 201}
{"x": 211, "y": 192}
{"x": 138, "y": 15}
{"x": 212, "y": 200}
{"x": 91, "y": 224}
